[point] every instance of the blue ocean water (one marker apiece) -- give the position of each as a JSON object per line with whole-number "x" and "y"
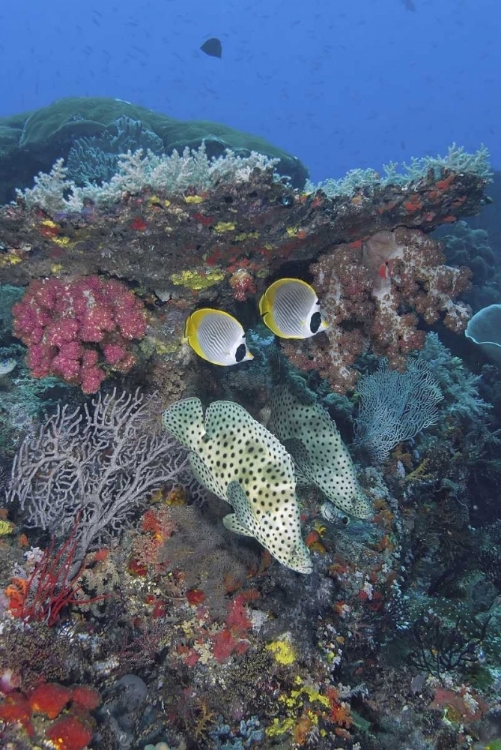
{"x": 337, "y": 84}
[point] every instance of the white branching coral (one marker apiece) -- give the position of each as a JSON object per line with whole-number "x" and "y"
{"x": 456, "y": 160}
{"x": 50, "y": 189}
{"x": 172, "y": 174}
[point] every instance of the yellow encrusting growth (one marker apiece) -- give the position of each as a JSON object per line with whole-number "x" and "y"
{"x": 280, "y": 727}
{"x": 197, "y": 280}
{"x": 304, "y": 706}
{"x": 246, "y": 236}
{"x": 224, "y": 226}
{"x": 160, "y": 347}
{"x": 283, "y": 652}
{"x": 10, "y": 259}
{"x": 313, "y": 695}
{"x": 5, "y": 528}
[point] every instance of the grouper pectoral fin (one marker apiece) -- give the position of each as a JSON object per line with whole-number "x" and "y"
{"x": 242, "y": 520}
{"x": 203, "y": 475}
{"x": 232, "y": 524}
{"x": 300, "y": 560}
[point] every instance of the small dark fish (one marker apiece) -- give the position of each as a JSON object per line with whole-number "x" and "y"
{"x": 212, "y": 47}
{"x": 409, "y": 5}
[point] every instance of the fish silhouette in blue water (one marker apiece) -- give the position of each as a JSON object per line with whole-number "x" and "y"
{"x": 212, "y": 47}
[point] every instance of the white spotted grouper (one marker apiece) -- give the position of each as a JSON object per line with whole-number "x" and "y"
{"x": 313, "y": 440}
{"x": 238, "y": 460}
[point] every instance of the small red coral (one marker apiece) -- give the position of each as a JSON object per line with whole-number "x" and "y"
{"x": 159, "y": 523}
{"x": 195, "y": 596}
{"x": 159, "y": 609}
{"x": 137, "y": 568}
{"x": 242, "y": 284}
{"x": 86, "y": 697}
{"x": 224, "y": 644}
{"x": 238, "y": 619}
{"x": 49, "y": 699}
{"x": 139, "y": 224}
{"x": 69, "y": 733}
{"x": 16, "y": 709}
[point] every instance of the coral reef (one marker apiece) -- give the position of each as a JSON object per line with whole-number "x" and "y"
{"x": 192, "y": 229}
{"x": 465, "y": 246}
{"x": 24, "y": 400}
{"x": 130, "y": 615}
{"x": 30, "y": 141}
{"x": 247, "y": 219}
{"x": 457, "y": 160}
{"x": 94, "y": 159}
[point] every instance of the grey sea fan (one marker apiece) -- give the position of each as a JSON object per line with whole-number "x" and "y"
{"x": 98, "y": 464}
{"x": 395, "y": 406}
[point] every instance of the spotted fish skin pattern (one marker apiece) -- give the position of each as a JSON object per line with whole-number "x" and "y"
{"x": 312, "y": 438}
{"x": 239, "y": 460}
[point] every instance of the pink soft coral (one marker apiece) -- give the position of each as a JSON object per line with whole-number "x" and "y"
{"x": 74, "y": 329}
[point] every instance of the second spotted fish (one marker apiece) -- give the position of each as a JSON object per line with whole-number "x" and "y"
{"x": 290, "y": 308}
{"x": 217, "y": 337}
